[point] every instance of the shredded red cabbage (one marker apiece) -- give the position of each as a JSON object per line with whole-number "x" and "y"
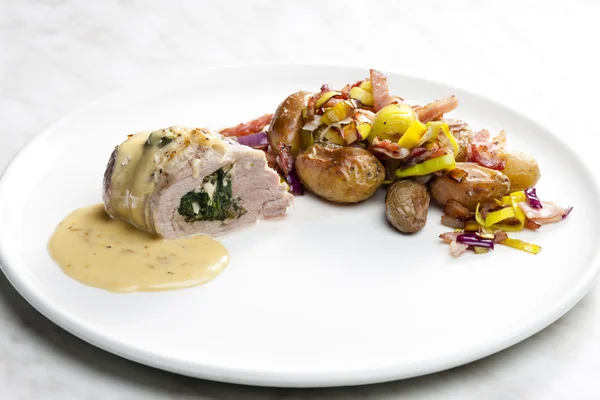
{"x": 532, "y": 198}
{"x": 472, "y": 239}
{"x": 567, "y": 212}
{"x": 255, "y": 140}
{"x": 294, "y": 182}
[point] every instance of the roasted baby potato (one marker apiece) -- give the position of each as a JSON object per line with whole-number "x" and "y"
{"x": 340, "y": 174}
{"x": 287, "y": 122}
{"x": 480, "y": 186}
{"x": 521, "y": 169}
{"x": 406, "y": 205}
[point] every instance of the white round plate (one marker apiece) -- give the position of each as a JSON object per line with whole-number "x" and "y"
{"x": 329, "y": 296}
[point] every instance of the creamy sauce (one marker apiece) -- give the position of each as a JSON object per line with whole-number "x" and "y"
{"x": 111, "y": 254}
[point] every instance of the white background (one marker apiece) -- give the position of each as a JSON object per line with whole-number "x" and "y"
{"x": 539, "y": 57}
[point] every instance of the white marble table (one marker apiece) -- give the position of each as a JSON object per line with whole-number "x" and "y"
{"x": 539, "y": 57}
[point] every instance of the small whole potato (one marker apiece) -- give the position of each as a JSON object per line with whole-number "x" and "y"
{"x": 480, "y": 186}
{"x": 287, "y": 122}
{"x": 340, "y": 174}
{"x": 521, "y": 169}
{"x": 406, "y": 205}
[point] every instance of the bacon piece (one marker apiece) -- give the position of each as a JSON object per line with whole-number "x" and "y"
{"x": 452, "y": 222}
{"x": 248, "y": 128}
{"x": 285, "y": 159}
{"x": 530, "y": 224}
{"x": 332, "y": 102}
{"x": 500, "y": 236}
{"x": 482, "y": 155}
{"x": 439, "y": 152}
{"x": 456, "y": 210}
{"x": 500, "y": 140}
{"x": 396, "y": 99}
{"x": 417, "y": 151}
{"x": 420, "y": 154}
{"x": 271, "y": 158}
{"x": 389, "y": 148}
{"x": 449, "y": 237}
{"x": 483, "y": 137}
{"x": 457, "y": 249}
{"x": 436, "y": 109}
{"x": 489, "y": 207}
{"x": 550, "y": 212}
{"x": 381, "y": 93}
{"x": 484, "y": 150}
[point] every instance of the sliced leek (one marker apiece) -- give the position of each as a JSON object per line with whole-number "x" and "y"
{"x": 362, "y": 95}
{"x": 412, "y": 135}
{"x": 350, "y": 133}
{"x": 521, "y": 245}
{"x": 340, "y": 111}
{"x": 440, "y": 163}
{"x": 392, "y": 121}
{"x": 495, "y": 217}
{"x": 325, "y": 97}
{"x": 450, "y": 137}
{"x": 367, "y": 85}
{"x": 331, "y": 135}
{"x": 364, "y": 129}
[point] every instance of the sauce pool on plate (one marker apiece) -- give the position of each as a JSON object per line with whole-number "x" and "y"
{"x": 111, "y": 254}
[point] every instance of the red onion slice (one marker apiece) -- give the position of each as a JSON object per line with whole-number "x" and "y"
{"x": 472, "y": 239}
{"x": 255, "y": 140}
{"x": 294, "y": 182}
{"x": 532, "y": 198}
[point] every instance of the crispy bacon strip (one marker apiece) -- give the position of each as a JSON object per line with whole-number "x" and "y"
{"x": 449, "y": 237}
{"x": 381, "y": 93}
{"x": 285, "y": 160}
{"x": 485, "y": 151}
{"x": 436, "y": 109}
{"x": 530, "y": 224}
{"x": 332, "y": 102}
{"x": 452, "y": 222}
{"x": 248, "y": 128}
{"x": 483, "y": 137}
{"x": 550, "y": 212}
{"x": 417, "y": 151}
{"x": 271, "y": 158}
{"x": 457, "y": 249}
{"x": 420, "y": 154}
{"x": 488, "y": 208}
{"x": 500, "y": 140}
{"x": 499, "y": 236}
{"x": 484, "y": 156}
{"x": 389, "y": 148}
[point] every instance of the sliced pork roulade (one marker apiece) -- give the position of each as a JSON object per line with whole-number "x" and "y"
{"x": 181, "y": 181}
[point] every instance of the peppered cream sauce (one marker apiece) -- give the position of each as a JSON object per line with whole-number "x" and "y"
{"x": 111, "y": 254}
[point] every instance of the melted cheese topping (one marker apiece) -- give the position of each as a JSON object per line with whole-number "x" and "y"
{"x": 140, "y": 161}
{"x": 132, "y": 179}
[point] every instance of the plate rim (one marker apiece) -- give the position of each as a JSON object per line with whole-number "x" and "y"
{"x": 237, "y": 375}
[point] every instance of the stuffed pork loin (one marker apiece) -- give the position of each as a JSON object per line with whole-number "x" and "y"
{"x": 181, "y": 181}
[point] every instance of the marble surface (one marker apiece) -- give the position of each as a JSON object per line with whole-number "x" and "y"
{"x": 539, "y": 57}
